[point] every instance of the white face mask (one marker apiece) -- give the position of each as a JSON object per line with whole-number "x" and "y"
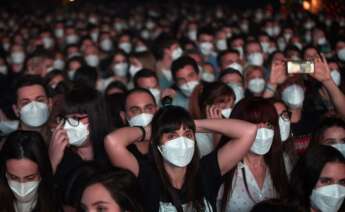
{"x": 293, "y": 96}
{"x": 265, "y": 46}
{"x": 76, "y": 135}
{"x": 92, "y": 60}
{"x": 59, "y": 33}
{"x": 59, "y": 64}
{"x": 48, "y": 42}
{"x": 3, "y": 69}
{"x": 120, "y": 69}
{"x": 226, "y": 112}
{"x": 208, "y": 77}
{"x": 192, "y": 34}
{"x": 24, "y": 192}
{"x": 133, "y": 69}
{"x": 156, "y": 93}
{"x": 188, "y": 87}
{"x": 321, "y": 41}
{"x": 236, "y": 66}
{"x": 71, "y": 74}
{"x": 341, "y": 54}
{"x": 142, "y": 120}
{"x": 72, "y": 39}
{"x": 239, "y": 91}
{"x": 179, "y": 151}
{"x": 176, "y": 53}
{"x": 256, "y": 85}
{"x": 263, "y": 141}
{"x": 221, "y": 44}
{"x": 284, "y": 127}
{"x": 256, "y": 59}
{"x": 340, "y": 148}
{"x": 17, "y": 57}
{"x": 6, "y": 127}
{"x": 106, "y": 45}
{"x": 34, "y": 114}
{"x": 240, "y": 50}
{"x": 328, "y": 198}
{"x": 127, "y": 47}
{"x": 206, "y": 48}
{"x": 167, "y": 74}
{"x": 336, "y": 77}
{"x": 141, "y": 49}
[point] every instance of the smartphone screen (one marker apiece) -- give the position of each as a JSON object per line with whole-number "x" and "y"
{"x": 300, "y": 67}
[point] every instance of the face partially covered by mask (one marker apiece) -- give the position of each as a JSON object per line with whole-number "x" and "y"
{"x": 256, "y": 85}
{"x": 77, "y": 132}
{"x": 328, "y": 198}
{"x": 142, "y": 120}
{"x": 187, "y": 88}
{"x": 263, "y": 141}
{"x": 24, "y": 192}
{"x": 293, "y": 96}
{"x": 34, "y": 114}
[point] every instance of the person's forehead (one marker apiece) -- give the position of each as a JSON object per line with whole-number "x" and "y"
{"x": 185, "y": 71}
{"x": 139, "y": 99}
{"x": 334, "y": 170}
{"x": 21, "y": 167}
{"x": 31, "y": 91}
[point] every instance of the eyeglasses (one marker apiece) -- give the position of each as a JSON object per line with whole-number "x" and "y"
{"x": 285, "y": 115}
{"x": 73, "y": 121}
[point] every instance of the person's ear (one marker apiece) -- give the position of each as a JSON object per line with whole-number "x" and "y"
{"x": 16, "y": 110}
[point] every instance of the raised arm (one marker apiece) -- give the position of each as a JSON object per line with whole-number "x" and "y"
{"x": 116, "y": 147}
{"x": 242, "y": 136}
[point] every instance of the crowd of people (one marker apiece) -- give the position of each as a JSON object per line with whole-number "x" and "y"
{"x": 171, "y": 107}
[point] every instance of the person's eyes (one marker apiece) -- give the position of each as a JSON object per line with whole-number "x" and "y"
{"x": 101, "y": 209}
{"x": 189, "y": 135}
{"x": 325, "y": 181}
{"x": 171, "y": 136}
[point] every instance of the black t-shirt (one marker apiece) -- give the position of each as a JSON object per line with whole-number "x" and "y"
{"x": 208, "y": 177}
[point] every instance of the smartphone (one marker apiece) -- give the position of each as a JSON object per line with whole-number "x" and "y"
{"x": 300, "y": 67}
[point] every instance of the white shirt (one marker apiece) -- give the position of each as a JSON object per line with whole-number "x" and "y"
{"x": 239, "y": 199}
{"x": 169, "y": 207}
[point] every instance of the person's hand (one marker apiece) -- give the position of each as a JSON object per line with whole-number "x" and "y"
{"x": 321, "y": 70}
{"x": 278, "y": 72}
{"x": 213, "y": 112}
{"x": 168, "y": 92}
{"x": 57, "y": 146}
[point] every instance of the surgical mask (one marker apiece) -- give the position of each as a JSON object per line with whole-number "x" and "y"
{"x": 287, "y": 36}
{"x": 142, "y": 120}
{"x": 293, "y": 96}
{"x": 17, "y": 57}
{"x": 127, "y": 47}
{"x": 188, "y": 87}
{"x": 265, "y": 46}
{"x": 77, "y": 135}
{"x": 206, "y": 48}
{"x": 284, "y": 128}
{"x": 156, "y": 93}
{"x": 256, "y": 85}
{"x": 59, "y": 33}
{"x": 238, "y": 90}
{"x": 340, "y": 148}
{"x": 208, "y": 77}
{"x": 24, "y": 192}
{"x": 321, "y": 41}
{"x": 48, "y": 42}
{"x": 256, "y": 59}
{"x": 94, "y": 36}
{"x": 341, "y": 54}
{"x": 167, "y": 74}
{"x": 192, "y": 34}
{"x": 179, "y": 151}
{"x": 328, "y": 198}
{"x": 177, "y": 53}
{"x": 120, "y": 69}
{"x": 6, "y": 127}
{"x": 71, "y": 74}
{"x": 226, "y": 112}
{"x": 3, "y": 69}
{"x": 72, "y": 39}
{"x": 141, "y": 49}
{"x": 236, "y": 66}
{"x": 221, "y": 44}
{"x": 269, "y": 31}
{"x": 34, "y": 114}
{"x": 276, "y": 30}
{"x": 133, "y": 69}
{"x": 59, "y": 64}
{"x": 106, "y": 45}
{"x": 263, "y": 141}
{"x": 92, "y": 60}
{"x": 336, "y": 77}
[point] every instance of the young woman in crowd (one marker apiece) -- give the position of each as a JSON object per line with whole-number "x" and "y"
{"x": 26, "y": 174}
{"x": 176, "y": 178}
{"x": 261, "y": 173}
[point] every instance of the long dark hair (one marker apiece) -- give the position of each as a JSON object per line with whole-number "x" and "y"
{"x": 30, "y": 145}
{"x": 260, "y": 110}
{"x": 325, "y": 124}
{"x": 307, "y": 171}
{"x": 169, "y": 119}
{"x": 87, "y": 100}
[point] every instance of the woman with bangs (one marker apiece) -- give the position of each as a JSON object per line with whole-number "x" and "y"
{"x": 176, "y": 179}
{"x": 261, "y": 174}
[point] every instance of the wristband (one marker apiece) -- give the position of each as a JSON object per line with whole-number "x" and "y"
{"x": 143, "y": 133}
{"x": 270, "y": 88}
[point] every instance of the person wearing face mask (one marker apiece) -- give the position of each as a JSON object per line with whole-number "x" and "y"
{"x": 185, "y": 73}
{"x": 230, "y": 59}
{"x": 234, "y": 79}
{"x": 261, "y": 174}
{"x": 33, "y": 105}
{"x": 140, "y": 107}
{"x": 213, "y": 100}
{"x": 254, "y": 81}
{"x": 206, "y": 46}
{"x": 254, "y": 54}
{"x": 175, "y": 166}
{"x": 317, "y": 180}
{"x": 26, "y": 174}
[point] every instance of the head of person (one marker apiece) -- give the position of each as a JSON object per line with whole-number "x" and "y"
{"x": 140, "y": 106}
{"x": 211, "y": 94}
{"x": 72, "y": 65}
{"x": 111, "y": 191}
{"x": 254, "y": 53}
{"x": 310, "y": 52}
{"x": 87, "y": 76}
{"x": 331, "y": 131}
{"x": 144, "y": 60}
{"x": 85, "y": 118}
{"x": 234, "y": 79}
{"x": 119, "y": 63}
{"x": 167, "y": 48}
{"x": 148, "y": 79}
{"x": 340, "y": 49}
{"x": 254, "y": 79}
{"x": 32, "y": 105}
{"x": 26, "y": 170}
{"x": 115, "y": 87}
{"x": 292, "y": 92}
{"x": 318, "y": 180}
{"x": 185, "y": 73}
{"x": 56, "y": 80}
{"x": 173, "y": 144}
{"x": 284, "y": 119}
{"x": 230, "y": 59}
{"x": 206, "y": 41}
